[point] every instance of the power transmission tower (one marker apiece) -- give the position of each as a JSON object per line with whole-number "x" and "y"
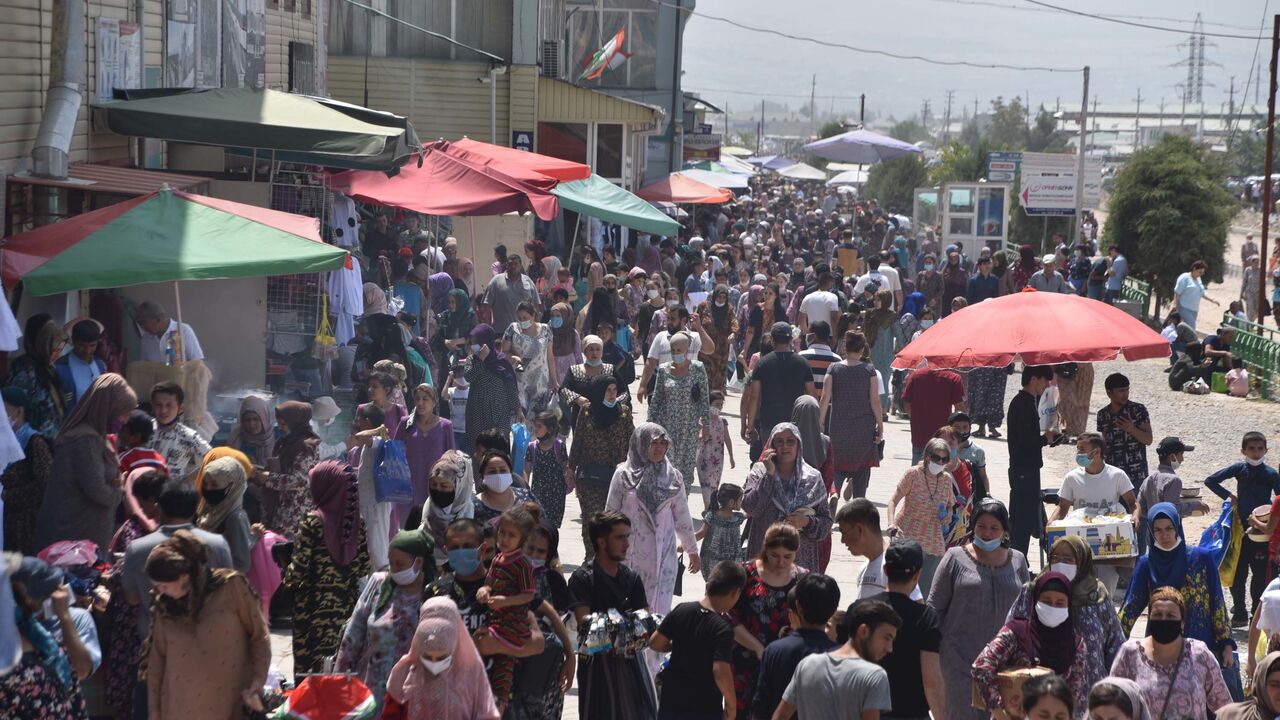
{"x": 1195, "y": 62}
{"x": 1137, "y": 122}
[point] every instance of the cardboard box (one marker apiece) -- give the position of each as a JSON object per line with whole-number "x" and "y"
{"x": 1010, "y": 683}
{"x": 1110, "y": 536}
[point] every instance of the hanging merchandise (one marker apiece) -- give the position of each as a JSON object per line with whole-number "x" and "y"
{"x": 345, "y": 221}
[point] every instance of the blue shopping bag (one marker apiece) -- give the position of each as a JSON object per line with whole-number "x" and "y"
{"x": 391, "y": 479}
{"x": 520, "y": 437}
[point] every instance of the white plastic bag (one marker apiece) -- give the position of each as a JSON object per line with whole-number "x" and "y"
{"x": 1049, "y": 409}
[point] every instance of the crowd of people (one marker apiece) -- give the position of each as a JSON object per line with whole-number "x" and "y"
{"x": 411, "y": 539}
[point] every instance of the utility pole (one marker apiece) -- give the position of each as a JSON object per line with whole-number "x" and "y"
{"x": 1084, "y": 144}
{"x": 1137, "y": 122}
{"x": 946, "y": 121}
{"x": 862, "y": 111}
{"x": 813, "y": 104}
{"x": 725, "y": 139}
{"x": 1162, "y": 113}
{"x": 1271, "y": 144}
{"x": 1095, "y": 113}
{"x": 924, "y": 114}
{"x": 1231, "y": 111}
{"x": 975, "y": 109}
{"x": 760, "y": 135}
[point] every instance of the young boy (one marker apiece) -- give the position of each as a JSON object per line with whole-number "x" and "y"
{"x": 848, "y": 676}
{"x": 1256, "y": 483}
{"x": 721, "y": 531}
{"x": 132, "y": 441}
{"x": 811, "y": 604}
{"x": 183, "y": 448}
{"x": 698, "y": 679}
{"x": 972, "y": 454}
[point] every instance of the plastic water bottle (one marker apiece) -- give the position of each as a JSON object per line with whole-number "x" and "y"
{"x": 171, "y": 351}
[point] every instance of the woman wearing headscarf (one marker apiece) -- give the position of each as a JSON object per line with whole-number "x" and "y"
{"x": 850, "y": 406}
{"x": 955, "y": 281}
{"x": 450, "y": 497}
{"x": 550, "y": 275}
{"x": 566, "y": 346}
{"x": 381, "y": 627}
{"x": 1265, "y": 703}
{"x": 601, "y": 438}
{"x": 255, "y": 434}
{"x": 528, "y": 343}
{"x": 681, "y": 404}
{"x": 24, "y": 481}
{"x": 42, "y": 684}
{"x": 1017, "y": 277}
{"x": 439, "y": 285}
{"x": 83, "y": 491}
{"x": 884, "y": 336}
{"x": 973, "y": 589}
{"x": 450, "y": 339}
{"x": 442, "y": 676}
{"x": 42, "y": 340}
{"x": 1122, "y": 698}
{"x": 573, "y": 387}
{"x": 494, "y": 400}
{"x": 221, "y": 508}
{"x": 760, "y": 318}
{"x": 375, "y": 300}
{"x": 1093, "y": 615}
{"x": 603, "y": 307}
{"x": 1169, "y": 562}
{"x": 782, "y": 488}
{"x": 329, "y": 558}
{"x": 1046, "y": 639}
{"x": 296, "y": 453}
{"x": 650, "y": 490}
{"x": 719, "y": 322}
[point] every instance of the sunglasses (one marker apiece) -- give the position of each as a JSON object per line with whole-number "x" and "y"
{"x": 940, "y": 458}
{"x": 786, "y": 441}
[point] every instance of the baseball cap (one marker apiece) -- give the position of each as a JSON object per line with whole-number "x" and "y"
{"x": 780, "y": 332}
{"x": 1171, "y": 445}
{"x": 1048, "y": 259}
{"x": 904, "y": 557}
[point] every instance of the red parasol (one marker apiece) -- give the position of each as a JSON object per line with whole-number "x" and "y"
{"x": 1037, "y": 328}
{"x": 506, "y": 158}
{"x": 680, "y": 188}
{"x": 448, "y": 182}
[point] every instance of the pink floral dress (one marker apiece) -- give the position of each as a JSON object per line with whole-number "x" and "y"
{"x": 711, "y": 451}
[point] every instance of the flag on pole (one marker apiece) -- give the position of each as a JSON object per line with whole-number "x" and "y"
{"x": 603, "y": 58}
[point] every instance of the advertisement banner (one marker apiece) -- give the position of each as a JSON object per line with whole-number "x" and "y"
{"x": 701, "y": 146}
{"x": 1048, "y": 184}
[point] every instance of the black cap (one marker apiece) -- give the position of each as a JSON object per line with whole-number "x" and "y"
{"x": 1171, "y": 445}
{"x": 904, "y": 557}
{"x": 780, "y": 332}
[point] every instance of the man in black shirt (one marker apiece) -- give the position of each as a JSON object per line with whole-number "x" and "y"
{"x": 380, "y": 240}
{"x": 786, "y": 376}
{"x": 811, "y": 603}
{"x": 610, "y": 685}
{"x": 697, "y": 683}
{"x": 915, "y": 674}
{"x": 1026, "y": 515}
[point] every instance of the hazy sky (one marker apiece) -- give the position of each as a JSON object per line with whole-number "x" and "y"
{"x": 719, "y": 58}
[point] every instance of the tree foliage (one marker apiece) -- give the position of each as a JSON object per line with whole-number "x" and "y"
{"x": 893, "y": 182}
{"x": 1008, "y": 130}
{"x": 830, "y": 128}
{"x": 1045, "y": 135}
{"x": 960, "y": 162}
{"x": 1168, "y": 209}
{"x": 1248, "y": 154}
{"x": 909, "y": 131}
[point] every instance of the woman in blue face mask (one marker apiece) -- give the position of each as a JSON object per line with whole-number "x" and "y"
{"x": 972, "y": 591}
{"x": 1169, "y": 562}
{"x": 527, "y": 343}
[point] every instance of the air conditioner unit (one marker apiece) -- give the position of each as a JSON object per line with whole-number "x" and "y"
{"x": 550, "y": 59}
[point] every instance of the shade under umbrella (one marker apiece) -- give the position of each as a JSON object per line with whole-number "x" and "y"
{"x": 448, "y": 184}
{"x": 166, "y": 236}
{"x": 679, "y": 188}
{"x": 1037, "y": 328}
{"x": 860, "y": 146}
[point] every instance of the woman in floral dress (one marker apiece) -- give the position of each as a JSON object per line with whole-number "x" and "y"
{"x": 528, "y": 342}
{"x": 382, "y": 624}
{"x": 23, "y": 482}
{"x": 681, "y": 402}
{"x": 761, "y": 613}
{"x": 720, "y": 325}
{"x": 296, "y": 453}
{"x": 566, "y": 345}
{"x": 42, "y": 685}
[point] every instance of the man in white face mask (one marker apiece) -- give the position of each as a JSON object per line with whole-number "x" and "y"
{"x": 1164, "y": 485}
{"x": 1256, "y": 485}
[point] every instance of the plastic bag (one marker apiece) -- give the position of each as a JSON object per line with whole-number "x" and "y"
{"x": 1048, "y": 407}
{"x": 1224, "y": 538}
{"x": 328, "y": 697}
{"x": 391, "y": 478}
{"x": 520, "y": 437}
{"x": 325, "y": 346}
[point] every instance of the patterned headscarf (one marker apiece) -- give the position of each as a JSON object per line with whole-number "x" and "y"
{"x": 337, "y": 498}
{"x": 654, "y": 482}
{"x": 454, "y": 466}
{"x": 262, "y": 443}
{"x": 805, "y": 488}
{"x": 224, "y": 472}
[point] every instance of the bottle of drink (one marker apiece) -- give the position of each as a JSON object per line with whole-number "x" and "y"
{"x": 171, "y": 351}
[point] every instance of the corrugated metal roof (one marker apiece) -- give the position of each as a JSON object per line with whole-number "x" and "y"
{"x": 111, "y": 180}
{"x": 560, "y": 101}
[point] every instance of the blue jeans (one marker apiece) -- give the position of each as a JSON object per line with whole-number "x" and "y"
{"x": 916, "y": 454}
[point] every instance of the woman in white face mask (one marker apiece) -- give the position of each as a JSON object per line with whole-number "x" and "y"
{"x": 1046, "y": 639}
{"x": 442, "y": 676}
{"x": 1093, "y": 615}
{"x": 500, "y": 490}
{"x": 386, "y": 615}
{"x": 923, "y": 506}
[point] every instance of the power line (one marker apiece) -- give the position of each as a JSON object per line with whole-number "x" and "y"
{"x": 1118, "y": 21}
{"x": 758, "y": 93}
{"x": 1006, "y": 6}
{"x": 867, "y": 51}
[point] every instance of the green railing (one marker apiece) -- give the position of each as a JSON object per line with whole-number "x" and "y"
{"x": 1258, "y": 347}
{"x": 1138, "y": 291}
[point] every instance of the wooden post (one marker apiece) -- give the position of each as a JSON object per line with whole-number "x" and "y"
{"x": 1271, "y": 144}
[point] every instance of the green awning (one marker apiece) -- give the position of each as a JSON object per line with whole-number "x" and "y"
{"x": 166, "y": 236}
{"x": 599, "y": 198}
{"x": 298, "y": 127}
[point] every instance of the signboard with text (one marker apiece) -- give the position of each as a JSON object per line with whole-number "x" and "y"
{"x": 702, "y": 146}
{"x": 1048, "y": 184}
{"x": 1003, "y": 166}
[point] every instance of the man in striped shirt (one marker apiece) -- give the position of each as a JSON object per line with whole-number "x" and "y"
{"x": 819, "y": 354}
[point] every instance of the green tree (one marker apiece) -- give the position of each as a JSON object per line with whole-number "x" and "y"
{"x": 1045, "y": 135}
{"x": 909, "y": 131}
{"x": 1008, "y": 130}
{"x": 893, "y": 182}
{"x": 830, "y": 129}
{"x": 1249, "y": 151}
{"x": 1168, "y": 209}
{"x": 959, "y": 162}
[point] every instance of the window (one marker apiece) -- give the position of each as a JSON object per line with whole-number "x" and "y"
{"x": 609, "y": 151}
{"x": 567, "y": 141}
{"x": 960, "y": 200}
{"x": 593, "y": 24}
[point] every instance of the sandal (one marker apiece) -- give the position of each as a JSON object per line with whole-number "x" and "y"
{"x": 994, "y": 433}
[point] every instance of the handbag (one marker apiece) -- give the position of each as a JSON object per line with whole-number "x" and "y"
{"x": 391, "y": 477}
{"x": 325, "y": 346}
